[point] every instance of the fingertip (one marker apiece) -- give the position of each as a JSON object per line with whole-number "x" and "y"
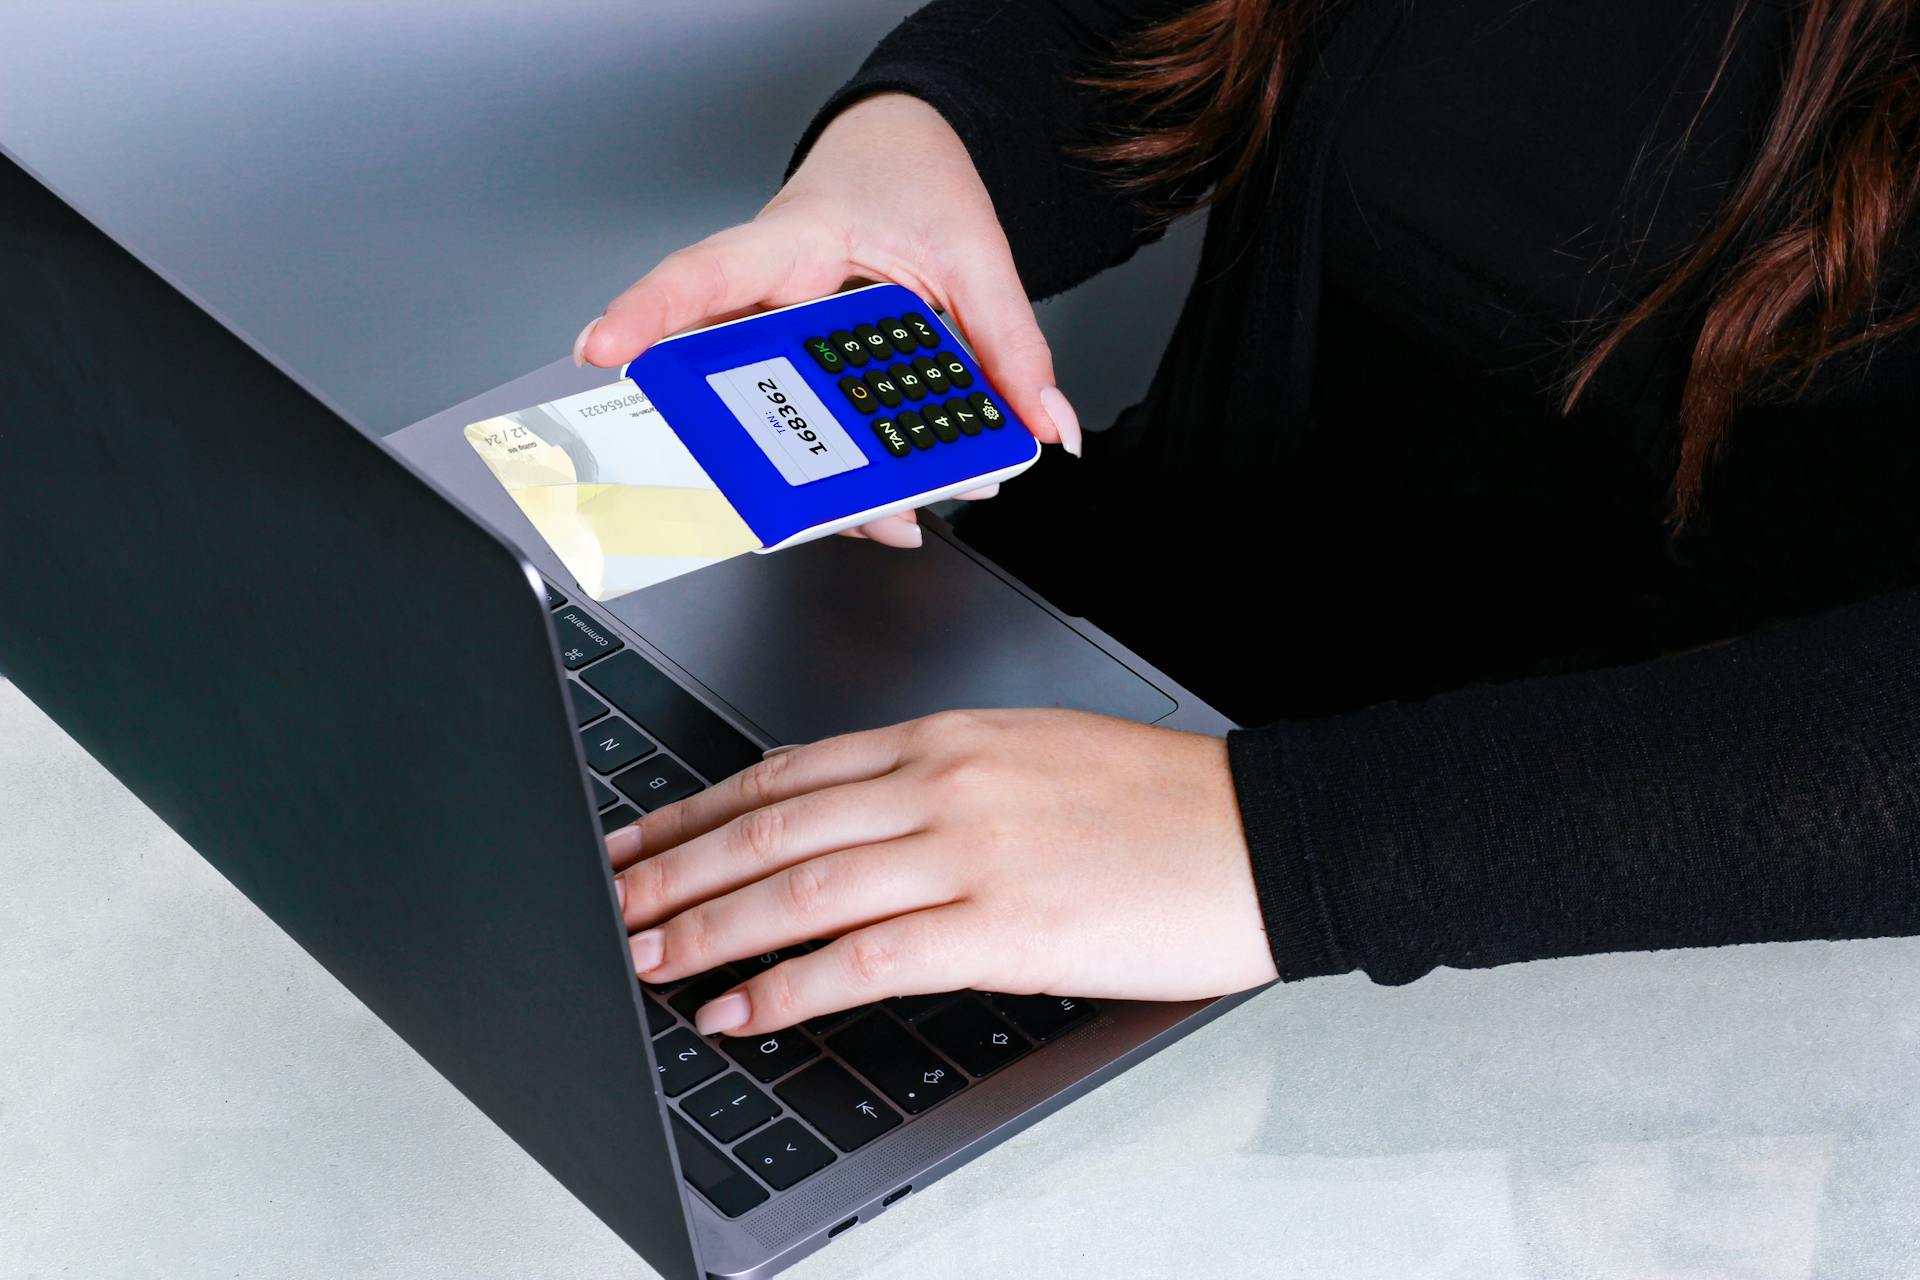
{"x": 580, "y": 342}
{"x": 895, "y": 532}
{"x": 1065, "y": 421}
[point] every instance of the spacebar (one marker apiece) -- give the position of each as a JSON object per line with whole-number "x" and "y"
{"x": 671, "y": 714}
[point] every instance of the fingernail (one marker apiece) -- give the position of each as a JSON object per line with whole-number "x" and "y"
{"x": 623, "y": 842}
{"x": 724, "y": 1014}
{"x": 894, "y": 533}
{"x": 648, "y": 949}
{"x": 774, "y": 751}
{"x": 1064, "y": 418}
{"x": 580, "y": 343}
{"x": 620, "y": 891}
{"x": 980, "y": 495}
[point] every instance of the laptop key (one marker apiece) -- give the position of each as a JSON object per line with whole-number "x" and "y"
{"x": 730, "y": 1107}
{"x": 1044, "y": 1017}
{"x": 914, "y": 1008}
{"x": 784, "y": 1153}
{"x": 554, "y": 598}
{"x": 701, "y": 988}
{"x": 761, "y": 963}
{"x": 772, "y": 1056}
{"x": 685, "y": 1061}
{"x": 658, "y": 1019}
{"x": 689, "y": 729}
{"x": 614, "y": 819}
{"x": 602, "y": 794}
{"x": 657, "y": 783}
{"x": 973, "y": 1037}
{"x": 582, "y": 639}
{"x": 827, "y": 1022}
{"x": 904, "y": 1069}
{"x": 850, "y": 1113}
{"x": 586, "y": 707}
{"x": 710, "y": 1173}
{"x": 614, "y": 744}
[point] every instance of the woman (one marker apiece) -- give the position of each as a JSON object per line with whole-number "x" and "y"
{"x": 1535, "y": 459}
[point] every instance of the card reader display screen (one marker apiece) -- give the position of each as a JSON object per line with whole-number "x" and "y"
{"x": 796, "y": 432}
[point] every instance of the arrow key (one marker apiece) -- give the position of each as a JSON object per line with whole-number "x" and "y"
{"x": 849, "y": 1113}
{"x": 973, "y": 1037}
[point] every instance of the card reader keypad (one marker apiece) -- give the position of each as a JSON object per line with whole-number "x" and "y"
{"x": 907, "y": 389}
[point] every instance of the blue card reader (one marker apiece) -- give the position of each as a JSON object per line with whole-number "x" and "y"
{"x": 818, "y": 417}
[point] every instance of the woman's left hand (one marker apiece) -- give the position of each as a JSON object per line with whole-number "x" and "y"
{"x": 1016, "y": 851}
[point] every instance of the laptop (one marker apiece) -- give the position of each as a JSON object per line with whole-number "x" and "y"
{"x": 348, "y": 673}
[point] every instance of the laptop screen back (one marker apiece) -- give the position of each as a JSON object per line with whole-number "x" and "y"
{"x": 332, "y": 683}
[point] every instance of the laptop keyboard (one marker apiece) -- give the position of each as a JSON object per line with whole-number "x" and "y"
{"x": 753, "y": 1117}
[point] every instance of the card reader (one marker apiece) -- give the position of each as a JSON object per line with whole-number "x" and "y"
{"x": 818, "y": 417}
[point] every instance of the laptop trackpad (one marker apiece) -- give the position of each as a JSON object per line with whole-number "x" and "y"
{"x": 840, "y": 634}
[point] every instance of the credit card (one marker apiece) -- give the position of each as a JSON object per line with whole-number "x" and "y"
{"x": 611, "y": 488}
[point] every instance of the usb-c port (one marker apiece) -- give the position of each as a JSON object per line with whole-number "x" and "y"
{"x": 834, "y": 1231}
{"x": 895, "y": 1195}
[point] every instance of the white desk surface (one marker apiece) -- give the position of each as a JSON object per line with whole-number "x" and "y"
{"x": 184, "y": 1093}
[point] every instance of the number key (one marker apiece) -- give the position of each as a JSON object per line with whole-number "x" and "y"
{"x": 876, "y": 341}
{"x": 902, "y": 337}
{"x": 931, "y": 372}
{"x": 956, "y": 368}
{"x": 915, "y": 428}
{"x": 964, "y": 417}
{"x": 884, "y": 388}
{"x": 909, "y": 381}
{"x": 851, "y": 349}
{"x": 942, "y": 423}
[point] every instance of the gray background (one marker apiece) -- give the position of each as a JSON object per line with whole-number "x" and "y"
{"x": 410, "y": 203}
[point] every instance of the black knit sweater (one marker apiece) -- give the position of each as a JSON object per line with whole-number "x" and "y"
{"x": 1507, "y": 714}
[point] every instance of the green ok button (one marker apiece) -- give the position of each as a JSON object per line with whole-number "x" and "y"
{"x": 825, "y": 356}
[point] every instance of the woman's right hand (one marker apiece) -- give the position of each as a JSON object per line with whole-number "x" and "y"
{"x": 845, "y": 215}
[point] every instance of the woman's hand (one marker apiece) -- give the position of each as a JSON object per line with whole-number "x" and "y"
{"x": 1017, "y": 851}
{"x": 845, "y": 215}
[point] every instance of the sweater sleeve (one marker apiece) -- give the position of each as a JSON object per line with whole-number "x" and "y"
{"x": 1005, "y": 76}
{"x": 1765, "y": 789}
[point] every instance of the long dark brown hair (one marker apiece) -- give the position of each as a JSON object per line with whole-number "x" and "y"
{"x": 1794, "y": 256}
